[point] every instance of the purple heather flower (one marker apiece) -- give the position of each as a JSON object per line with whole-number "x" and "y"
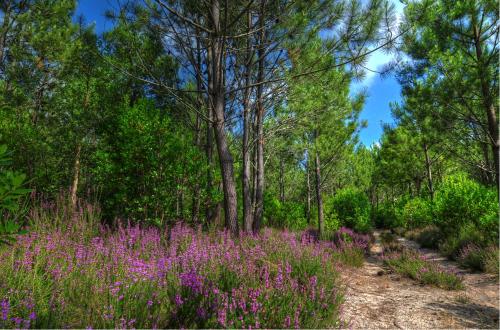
{"x": 5, "y": 309}
{"x": 178, "y": 300}
{"x": 287, "y": 322}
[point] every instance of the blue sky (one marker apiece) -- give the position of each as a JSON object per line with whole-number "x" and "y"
{"x": 380, "y": 91}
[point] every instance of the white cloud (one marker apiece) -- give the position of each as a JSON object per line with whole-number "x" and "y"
{"x": 378, "y": 59}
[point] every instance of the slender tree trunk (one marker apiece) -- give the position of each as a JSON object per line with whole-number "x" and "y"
{"x": 247, "y": 193}
{"x": 429, "y": 171}
{"x": 209, "y": 211}
{"x": 259, "y": 195}
{"x": 321, "y": 225}
{"x": 282, "y": 181}
{"x": 254, "y": 167}
{"x": 3, "y": 36}
{"x": 218, "y": 101}
{"x": 76, "y": 176}
{"x": 486, "y": 155}
{"x": 308, "y": 175}
{"x": 197, "y": 138}
{"x": 488, "y": 103}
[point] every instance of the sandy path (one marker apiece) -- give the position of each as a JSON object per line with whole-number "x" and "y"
{"x": 376, "y": 300}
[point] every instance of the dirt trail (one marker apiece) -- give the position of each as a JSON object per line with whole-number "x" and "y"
{"x": 376, "y": 300}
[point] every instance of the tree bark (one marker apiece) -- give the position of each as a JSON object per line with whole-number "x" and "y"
{"x": 488, "y": 103}
{"x": 308, "y": 205}
{"x": 197, "y": 138}
{"x": 209, "y": 208}
{"x": 259, "y": 194}
{"x": 321, "y": 225}
{"x": 76, "y": 177}
{"x": 429, "y": 171}
{"x": 218, "y": 102}
{"x": 282, "y": 181}
{"x": 247, "y": 197}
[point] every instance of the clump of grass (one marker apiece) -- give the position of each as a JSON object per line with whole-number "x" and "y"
{"x": 483, "y": 259}
{"x": 390, "y": 242}
{"x": 351, "y": 257}
{"x": 463, "y": 299}
{"x": 351, "y": 246}
{"x": 412, "y": 265}
{"x": 429, "y": 237}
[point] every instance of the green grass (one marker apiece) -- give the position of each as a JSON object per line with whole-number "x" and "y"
{"x": 351, "y": 257}
{"x": 412, "y": 265}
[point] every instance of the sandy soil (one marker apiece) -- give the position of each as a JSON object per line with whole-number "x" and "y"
{"x": 377, "y": 299}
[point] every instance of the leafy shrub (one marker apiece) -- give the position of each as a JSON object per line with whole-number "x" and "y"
{"x": 384, "y": 215}
{"x": 352, "y": 208}
{"x": 417, "y": 212}
{"x": 11, "y": 192}
{"x": 388, "y": 214}
{"x": 460, "y": 201}
{"x": 288, "y": 214}
{"x": 411, "y": 264}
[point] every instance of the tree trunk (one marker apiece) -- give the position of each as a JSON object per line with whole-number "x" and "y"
{"x": 218, "y": 102}
{"x": 247, "y": 197}
{"x": 488, "y": 103}
{"x": 308, "y": 205}
{"x": 197, "y": 138}
{"x": 76, "y": 177}
{"x": 321, "y": 225}
{"x": 282, "y": 181}
{"x": 259, "y": 194}
{"x": 429, "y": 171}
{"x": 3, "y": 36}
{"x": 209, "y": 208}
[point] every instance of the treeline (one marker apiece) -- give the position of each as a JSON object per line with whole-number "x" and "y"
{"x": 437, "y": 173}
{"x": 240, "y": 113}
{"x": 189, "y": 110}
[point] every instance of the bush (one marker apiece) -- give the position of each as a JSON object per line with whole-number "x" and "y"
{"x": 429, "y": 237}
{"x": 389, "y": 215}
{"x": 417, "y": 213}
{"x": 11, "y": 192}
{"x": 286, "y": 214}
{"x": 352, "y": 208}
{"x": 460, "y": 201}
{"x": 384, "y": 215}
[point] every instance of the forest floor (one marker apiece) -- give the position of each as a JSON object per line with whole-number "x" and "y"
{"x": 379, "y": 299}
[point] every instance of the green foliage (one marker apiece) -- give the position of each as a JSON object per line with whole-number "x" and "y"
{"x": 417, "y": 213}
{"x": 429, "y": 237}
{"x": 11, "y": 192}
{"x": 461, "y": 202}
{"x": 351, "y": 257}
{"x": 384, "y": 215}
{"x": 351, "y": 207}
{"x": 146, "y": 163}
{"x": 286, "y": 214}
